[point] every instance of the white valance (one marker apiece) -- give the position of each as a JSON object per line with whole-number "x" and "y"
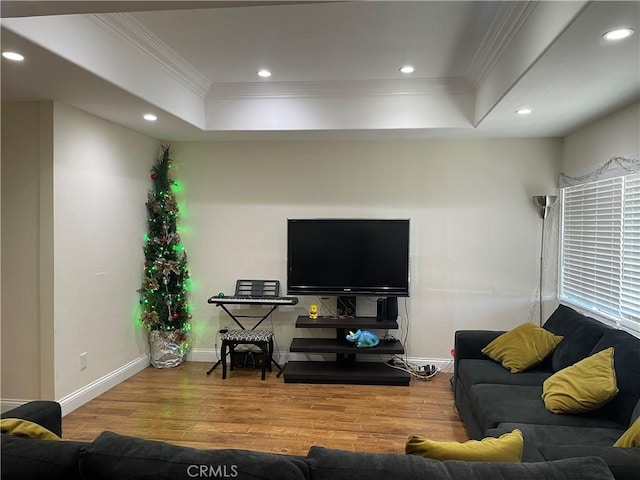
{"x": 614, "y": 167}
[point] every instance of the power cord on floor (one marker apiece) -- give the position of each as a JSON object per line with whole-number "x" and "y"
{"x": 421, "y": 372}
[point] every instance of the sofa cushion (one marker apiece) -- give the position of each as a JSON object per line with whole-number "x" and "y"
{"x": 624, "y": 463}
{"x": 536, "y": 435}
{"x": 581, "y": 333}
{"x": 582, "y": 387}
{"x": 631, "y": 437}
{"x": 471, "y": 372}
{"x": 627, "y": 364}
{"x": 522, "y": 348}
{"x": 113, "y": 456}
{"x": 26, "y": 429}
{"x": 30, "y": 459}
{"x": 495, "y": 404}
{"x": 326, "y": 464}
{"x": 505, "y": 448}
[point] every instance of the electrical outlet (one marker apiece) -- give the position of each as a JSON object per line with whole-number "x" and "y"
{"x": 83, "y": 361}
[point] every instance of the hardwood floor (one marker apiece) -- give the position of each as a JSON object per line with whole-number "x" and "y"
{"x": 184, "y": 406}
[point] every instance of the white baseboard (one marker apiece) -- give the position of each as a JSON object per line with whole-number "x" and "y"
{"x": 208, "y": 355}
{"x": 211, "y": 356}
{"x": 78, "y": 398}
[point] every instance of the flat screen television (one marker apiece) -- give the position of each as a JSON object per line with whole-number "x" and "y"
{"x": 348, "y": 257}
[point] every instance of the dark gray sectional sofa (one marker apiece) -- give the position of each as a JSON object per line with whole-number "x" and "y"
{"x": 117, "y": 457}
{"x": 492, "y": 401}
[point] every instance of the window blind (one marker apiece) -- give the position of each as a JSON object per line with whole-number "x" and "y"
{"x": 630, "y": 284}
{"x": 600, "y": 248}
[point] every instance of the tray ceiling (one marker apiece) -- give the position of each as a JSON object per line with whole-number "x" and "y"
{"x": 335, "y": 66}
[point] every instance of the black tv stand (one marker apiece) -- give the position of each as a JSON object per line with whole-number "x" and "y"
{"x": 345, "y": 368}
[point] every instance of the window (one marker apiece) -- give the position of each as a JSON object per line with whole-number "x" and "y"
{"x": 600, "y": 249}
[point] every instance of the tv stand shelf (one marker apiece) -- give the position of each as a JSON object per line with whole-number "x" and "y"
{"x": 348, "y": 323}
{"x": 345, "y": 369}
{"x": 333, "y": 345}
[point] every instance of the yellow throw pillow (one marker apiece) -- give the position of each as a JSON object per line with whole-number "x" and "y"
{"x": 584, "y": 386}
{"x": 630, "y": 438}
{"x": 523, "y": 347}
{"x": 25, "y": 428}
{"x": 506, "y": 448}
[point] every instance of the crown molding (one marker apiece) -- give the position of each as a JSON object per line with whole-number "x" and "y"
{"x": 505, "y": 26}
{"x": 348, "y": 88}
{"x": 135, "y": 35}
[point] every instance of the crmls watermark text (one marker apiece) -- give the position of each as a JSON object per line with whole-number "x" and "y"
{"x": 212, "y": 471}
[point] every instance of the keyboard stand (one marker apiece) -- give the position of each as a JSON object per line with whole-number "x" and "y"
{"x": 235, "y": 319}
{"x": 258, "y": 288}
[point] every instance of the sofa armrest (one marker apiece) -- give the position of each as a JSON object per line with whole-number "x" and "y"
{"x": 45, "y": 413}
{"x": 624, "y": 463}
{"x": 29, "y": 458}
{"x": 469, "y": 343}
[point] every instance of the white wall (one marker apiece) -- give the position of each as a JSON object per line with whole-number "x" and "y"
{"x": 101, "y": 179}
{"x": 475, "y": 234}
{"x": 73, "y": 193}
{"x": 617, "y": 134}
{"x": 26, "y": 155}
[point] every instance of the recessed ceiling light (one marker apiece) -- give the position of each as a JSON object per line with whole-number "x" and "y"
{"x": 407, "y": 69}
{"x": 618, "y": 34}
{"x": 524, "y": 111}
{"x": 264, "y": 73}
{"x": 150, "y": 117}
{"x": 16, "y": 57}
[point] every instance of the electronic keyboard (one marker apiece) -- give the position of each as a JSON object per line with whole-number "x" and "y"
{"x": 251, "y": 300}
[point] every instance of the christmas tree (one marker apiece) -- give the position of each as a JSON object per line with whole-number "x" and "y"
{"x": 165, "y": 282}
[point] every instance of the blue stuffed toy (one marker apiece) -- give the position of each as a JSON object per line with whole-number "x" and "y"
{"x": 363, "y": 338}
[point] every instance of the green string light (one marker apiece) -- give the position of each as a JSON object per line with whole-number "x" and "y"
{"x": 176, "y": 187}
